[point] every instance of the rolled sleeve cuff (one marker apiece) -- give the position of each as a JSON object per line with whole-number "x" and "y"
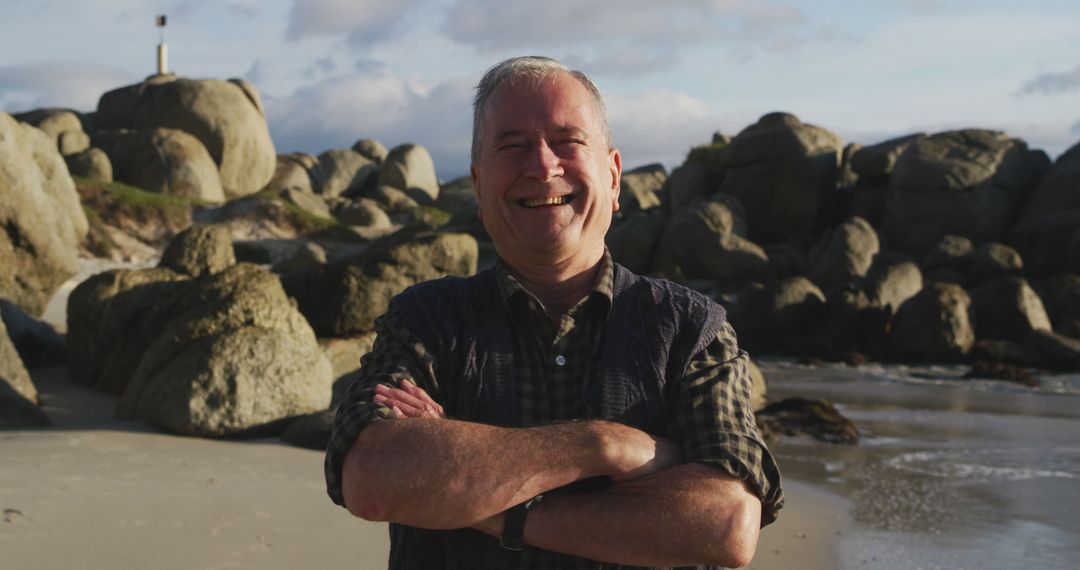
{"x": 757, "y": 468}
{"x": 348, "y": 423}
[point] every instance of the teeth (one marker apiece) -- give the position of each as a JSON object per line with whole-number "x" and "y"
{"x": 553, "y": 201}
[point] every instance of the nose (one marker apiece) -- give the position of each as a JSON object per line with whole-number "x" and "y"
{"x": 544, "y": 164}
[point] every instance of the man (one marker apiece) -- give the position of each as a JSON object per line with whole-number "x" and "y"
{"x": 555, "y": 411}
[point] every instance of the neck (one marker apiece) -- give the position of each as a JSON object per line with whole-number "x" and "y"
{"x": 559, "y": 285}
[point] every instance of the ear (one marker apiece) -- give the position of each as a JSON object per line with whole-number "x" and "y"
{"x": 615, "y": 168}
{"x": 475, "y": 175}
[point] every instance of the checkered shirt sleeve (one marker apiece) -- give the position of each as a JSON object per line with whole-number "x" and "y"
{"x": 715, "y": 424}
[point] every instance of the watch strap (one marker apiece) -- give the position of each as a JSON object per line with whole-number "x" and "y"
{"x": 513, "y": 534}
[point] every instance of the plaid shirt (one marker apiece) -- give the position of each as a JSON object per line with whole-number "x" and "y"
{"x": 556, "y": 363}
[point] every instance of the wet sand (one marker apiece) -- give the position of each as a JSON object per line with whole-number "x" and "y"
{"x": 97, "y": 493}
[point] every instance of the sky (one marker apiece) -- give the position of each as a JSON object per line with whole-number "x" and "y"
{"x": 672, "y": 72}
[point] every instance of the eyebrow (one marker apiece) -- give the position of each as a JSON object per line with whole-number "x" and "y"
{"x": 562, "y": 130}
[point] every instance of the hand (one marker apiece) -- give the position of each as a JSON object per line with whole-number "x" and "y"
{"x": 635, "y": 454}
{"x": 408, "y": 401}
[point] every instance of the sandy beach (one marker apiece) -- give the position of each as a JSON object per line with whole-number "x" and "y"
{"x": 96, "y": 493}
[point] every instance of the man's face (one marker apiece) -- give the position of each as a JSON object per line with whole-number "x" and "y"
{"x": 545, "y": 180}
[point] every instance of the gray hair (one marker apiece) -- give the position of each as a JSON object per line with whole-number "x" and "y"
{"x": 534, "y": 68}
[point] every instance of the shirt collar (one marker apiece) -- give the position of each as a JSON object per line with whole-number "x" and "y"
{"x": 604, "y": 288}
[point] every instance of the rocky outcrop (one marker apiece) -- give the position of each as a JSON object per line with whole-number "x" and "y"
{"x": 409, "y": 168}
{"x": 992, "y": 260}
{"x": 1061, "y": 297}
{"x": 41, "y": 220}
{"x": 199, "y": 250}
{"x": 371, "y": 149}
{"x": 640, "y": 188}
{"x": 63, "y": 126}
{"x": 37, "y": 342}
{"x": 632, "y": 241}
{"x": 968, "y": 183}
{"x": 1007, "y": 308}
{"x": 843, "y": 253}
{"x": 297, "y": 171}
{"x": 343, "y": 298}
{"x": 933, "y": 326}
{"x": 163, "y": 161}
{"x": 345, "y": 172}
{"x": 1044, "y": 242}
{"x": 687, "y": 185}
{"x": 784, "y": 172}
{"x": 703, "y": 243}
{"x": 18, "y": 396}
{"x": 765, "y": 315}
{"x": 1057, "y": 191}
{"x": 225, "y": 116}
{"x": 234, "y": 357}
{"x": 362, "y": 212}
{"x": 93, "y": 164}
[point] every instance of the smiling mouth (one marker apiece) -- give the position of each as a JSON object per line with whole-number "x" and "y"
{"x": 552, "y": 201}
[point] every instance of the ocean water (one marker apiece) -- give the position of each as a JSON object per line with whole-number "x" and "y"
{"x": 950, "y": 473}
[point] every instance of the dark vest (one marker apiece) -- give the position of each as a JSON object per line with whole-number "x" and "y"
{"x": 653, "y": 330}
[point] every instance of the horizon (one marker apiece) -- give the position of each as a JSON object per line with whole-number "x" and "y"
{"x": 334, "y": 71}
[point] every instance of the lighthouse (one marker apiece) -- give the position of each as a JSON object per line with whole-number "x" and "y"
{"x": 162, "y": 48}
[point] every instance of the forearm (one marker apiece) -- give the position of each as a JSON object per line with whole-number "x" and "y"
{"x": 686, "y": 515}
{"x": 438, "y": 473}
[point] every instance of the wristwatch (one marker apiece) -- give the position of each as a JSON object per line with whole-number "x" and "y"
{"x": 513, "y": 534}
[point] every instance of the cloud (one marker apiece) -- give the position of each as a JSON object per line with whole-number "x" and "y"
{"x": 336, "y": 112}
{"x": 1053, "y": 83}
{"x": 57, "y": 84}
{"x": 363, "y": 21}
{"x": 1075, "y": 128}
{"x": 923, "y": 6}
{"x": 659, "y": 125}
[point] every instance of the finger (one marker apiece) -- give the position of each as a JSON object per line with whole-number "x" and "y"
{"x": 421, "y": 394}
{"x": 404, "y": 397}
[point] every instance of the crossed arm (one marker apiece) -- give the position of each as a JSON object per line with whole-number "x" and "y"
{"x": 696, "y": 514}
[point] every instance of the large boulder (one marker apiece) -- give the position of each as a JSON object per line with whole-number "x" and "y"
{"x": 785, "y": 173}
{"x": 293, "y": 172}
{"x": 873, "y": 164}
{"x": 362, "y": 212}
{"x": 1045, "y": 242}
{"x": 687, "y": 185}
{"x": 92, "y": 163}
{"x": 40, "y": 214}
{"x": 1059, "y": 189}
{"x": 343, "y": 298}
{"x": 764, "y": 316}
{"x": 933, "y": 326}
{"x": 843, "y": 254}
{"x": 991, "y": 260}
{"x": 63, "y": 126}
{"x": 226, "y": 116}
{"x": 409, "y": 167}
{"x": 163, "y": 161}
{"x": 632, "y": 241}
{"x": 860, "y": 312}
{"x": 234, "y": 357}
{"x": 640, "y": 188}
{"x": 456, "y": 194}
{"x": 372, "y": 149}
{"x": 199, "y": 250}
{"x": 18, "y": 396}
{"x": 703, "y": 243}
{"x": 37, "y": 342}
{"x": 1061, "y": 297}
{"x": 969, "y": 183}
{"x": 1007, "y": 308}
{"x": 344, "y": 172}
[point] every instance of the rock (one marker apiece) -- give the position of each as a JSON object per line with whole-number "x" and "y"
{"x": 843, "y": 254}
{"x": 952, "y": 252}
{"x": 394, "y": 200}
{"x": 702, "y": 242}
{"x": 758, "y": 391}
{"x": 344, "y": 355}
{"x": 372, "y": 149}
{"x": 1001, "y": 371}
{"x": 343, "y": 298}
{"x": 92, "y": 163}
{"x": 1007, "y": 308}
{"x": 292, "y": 173}
{"x": 891, "y": 282}
{"x": 786, "y": 259}
{"x": 455, "y": 194}
{"x": 409, "y": 167}
{"x": 641, "y": 188}
{"x": 345, "y": 172}
{"x": 1043, "y": 242}
{"x": 991, "y": 260}
{"x": 18, "y": 396}
{"x": 714, "y": 157}
{"x": 307, "y": 257}
{"x": 112, "y": 318}
{"x": 199, "y": 250}
{"x": 873, "y": 164}
{"x": 785, "y": 173}
{"x": 163, "y": 161}
{"x": 62, "y": 125}
{"x": 1006, "y": 352}
{"x": 632, "y": 242}
{"x": 311, "y": 431}
{"x": 791, "y": 306}
{"x": 37, "y": 342}
{"x": 233, "y": 358}
{"x": 1061, "y": 297}
{"x": 968, "y": 183}
{"x": 1061, "y": 352}
{"x": 868, "y": 203}
{"x": 313, "y": 204}
{"x": 687, "y": 185}
{"x": 41, "y": 218}
{"x": 933, "y": 326}
{"x": 1057, "y": 190}
{"x": 226, "y": 116}
{"x": 817, "y": 418}
{"x": 363, "y": 212}
{"x": 263, "y": 217}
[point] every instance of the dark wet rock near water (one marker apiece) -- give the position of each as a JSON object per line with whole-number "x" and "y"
{"x": 1002, "y": 371}
{"x": 807, "y": 416}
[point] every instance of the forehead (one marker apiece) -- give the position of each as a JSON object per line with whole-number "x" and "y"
{"x": 557, "y": 100}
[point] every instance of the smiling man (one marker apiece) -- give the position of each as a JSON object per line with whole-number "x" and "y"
{"x": 556, "y": 410}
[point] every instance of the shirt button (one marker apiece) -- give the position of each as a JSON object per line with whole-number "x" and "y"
{"x": 532, "y": 306}
{"x": 560, "y": 360}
